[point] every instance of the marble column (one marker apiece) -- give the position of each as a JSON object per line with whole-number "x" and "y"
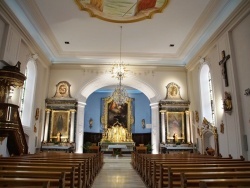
{"x": 163, "y": 126}
{"x": 46, "y": 129}
{"x": 72, "y": 126}
{"x": 188, "y": 126}
{"x": 155, "y": 134}
{"x": 80, "y": 127}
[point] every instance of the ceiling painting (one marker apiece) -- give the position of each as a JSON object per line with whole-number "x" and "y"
{"x": 122, "y": 11}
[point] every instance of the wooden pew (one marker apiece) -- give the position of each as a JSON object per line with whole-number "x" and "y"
{"x": 154, "y": 175}
{"x": 25, "y": 182}
{"x": 92, "y": 164}
{"x": 38, "y": 174}
{"x": 70, "y": 171}
{"x": 192, "y": 179}
{"x": 172, "y": 177}
{"x": 146, "y": 163}
{"x": 143, "y": 163}
{"x": 224, "y": 183}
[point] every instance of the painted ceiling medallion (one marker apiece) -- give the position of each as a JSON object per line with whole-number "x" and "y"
{"x": 122, "y": 11}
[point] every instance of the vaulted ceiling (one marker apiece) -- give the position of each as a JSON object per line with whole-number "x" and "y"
{"x": 68, "y": 35}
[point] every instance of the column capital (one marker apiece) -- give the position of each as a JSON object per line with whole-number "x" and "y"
{"x": 154, "y": 105}
{"x": 81, "y": 104}
{"x": 72, "y": 110}
{"x": 163, "y": 111}
{"x": 47, "y": 110}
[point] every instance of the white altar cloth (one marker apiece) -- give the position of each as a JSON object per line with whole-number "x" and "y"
{"x": 117, "y": 146}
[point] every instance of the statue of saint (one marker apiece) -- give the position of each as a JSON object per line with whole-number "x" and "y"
{"x": 58, "y": 139}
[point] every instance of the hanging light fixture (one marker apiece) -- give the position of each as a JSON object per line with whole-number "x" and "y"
{"x": 120, "y": 95}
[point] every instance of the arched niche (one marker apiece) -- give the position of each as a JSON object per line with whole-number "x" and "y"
{"x": 209, "y": 137}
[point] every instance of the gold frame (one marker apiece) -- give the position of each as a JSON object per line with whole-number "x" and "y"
{"x": 179, "y": 118}
{"x": 104, "y": 118}
{"x": 65, "y": 115}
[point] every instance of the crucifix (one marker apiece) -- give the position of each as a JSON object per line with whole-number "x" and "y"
{"x": 223, "y": 64}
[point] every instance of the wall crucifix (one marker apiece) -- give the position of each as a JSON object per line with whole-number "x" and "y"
{"x": 223, "y": 64}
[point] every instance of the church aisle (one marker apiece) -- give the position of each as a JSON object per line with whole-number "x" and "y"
{"x": 118, "y": 173}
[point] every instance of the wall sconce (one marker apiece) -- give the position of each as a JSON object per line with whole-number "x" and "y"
{"x": 247, "y": 92}
{"x": 227, "y": 103}
{"x": 202, "y": 59}
{"x": 90, "y": 123}
{"x": 143, "y": 123}
{"x": 37, "y": 114}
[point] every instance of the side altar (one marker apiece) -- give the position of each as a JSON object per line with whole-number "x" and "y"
{"x": 117, "y": 121}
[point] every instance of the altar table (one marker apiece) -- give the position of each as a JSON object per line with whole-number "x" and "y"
{"x": 178, "y": 149}
{"x": 117, "y": 149}
{"x": 67, "y": 149}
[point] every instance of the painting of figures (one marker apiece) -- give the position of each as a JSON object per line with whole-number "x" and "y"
{"x": 60, "y": 124}
{"x": 122, "y": 10}
{"x": 175, "y": 125}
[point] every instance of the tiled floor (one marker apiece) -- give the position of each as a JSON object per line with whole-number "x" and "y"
{"x": 118, "y": 173}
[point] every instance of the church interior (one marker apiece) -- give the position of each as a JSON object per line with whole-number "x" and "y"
{"x": 95, "y": 78}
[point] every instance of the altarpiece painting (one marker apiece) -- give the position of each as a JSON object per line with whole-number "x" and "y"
{"x": 60, "y": 125}
{"x": 175, "y": 125}
{"x": 117, "y": 121}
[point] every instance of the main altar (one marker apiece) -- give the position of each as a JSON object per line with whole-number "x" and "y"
{"x": 117, "y": 121}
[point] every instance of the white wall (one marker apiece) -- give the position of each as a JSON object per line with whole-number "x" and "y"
{"x": 240, "y": 40}
{"x": 80, "y": 78}
{"x": 15, "y": 46}
{"x": 235, "y": 40}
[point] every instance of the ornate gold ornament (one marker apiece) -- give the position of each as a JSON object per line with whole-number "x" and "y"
{"x": 62, "y": 90}
{"x": 37, "y": 114}
{"x": 197, "y": 116}
{"x": 15, "y": 115}
{"x": 173, "y": 92}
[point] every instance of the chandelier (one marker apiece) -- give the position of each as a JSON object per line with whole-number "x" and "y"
{"x": 120, "y": 95}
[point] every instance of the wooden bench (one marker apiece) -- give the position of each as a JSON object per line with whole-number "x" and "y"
{"x": 172, "y": 176}
{"x": 92, "y": 162}
{"x": 192, "y": 179}
{"x": 146, "y": 164}
{"x": 86, "y": 166}
{"x": 25, "y": 182}
{"x": 224, "y": 183}
{"x": 153, "y": 172}
{"x": 39, "y": 174}
{"x": 72, "y": 173}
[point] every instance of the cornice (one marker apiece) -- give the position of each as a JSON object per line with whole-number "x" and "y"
{"x": 108, "y": 66}
{"x": 242, "y": 9}
{"x": 199, "y": 26}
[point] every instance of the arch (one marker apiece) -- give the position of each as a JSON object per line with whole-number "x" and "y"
{"x": 206, "y": 92}
{"x": 29, "y": 94}
{"x": 209, "y": 137}
{"x": 103, "y": 81}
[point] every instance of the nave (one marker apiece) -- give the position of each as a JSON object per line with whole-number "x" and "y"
{"x": 118, "y": 173}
